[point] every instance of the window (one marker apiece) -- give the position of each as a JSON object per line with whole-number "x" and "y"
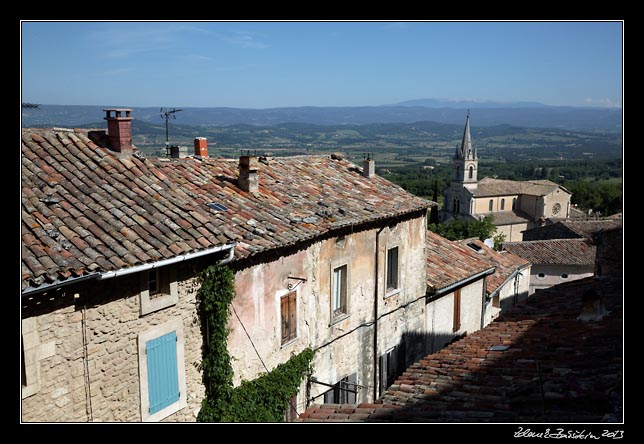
{"x": 457, "y": 310}
{"x": 392, "y": 269}
{"x": 457, "y": 206}
{"x": 458, "y": 171}
{"x": 514, "y": 203}
{"x": 541, "y": 275}
{"x": 502, "y": 204}
{"x": 153, "y": 282}
{"x": 471, "y": 174}
{"x": 158, "y": 289}
{"x": 491, "y": 205}
{"x": 392, "y": 364}
{"x": 345, "y": 391}
{"x": 564, "y": 276}
{"x": 162, "y": 371}
{"x": 339, "y": 291}
{"x": 288, "y": 306}
{"x": 291, "y": 412}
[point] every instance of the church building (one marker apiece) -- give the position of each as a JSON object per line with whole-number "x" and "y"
{"x": 515, "y": 205}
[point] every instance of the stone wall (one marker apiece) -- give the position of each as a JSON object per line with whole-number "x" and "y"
{"x": 98, "y": 379}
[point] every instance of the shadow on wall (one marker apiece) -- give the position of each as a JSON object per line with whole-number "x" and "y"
{"x": 548, "y": 367}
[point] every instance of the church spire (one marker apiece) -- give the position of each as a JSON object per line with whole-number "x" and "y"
{"x": 466, "y": 151}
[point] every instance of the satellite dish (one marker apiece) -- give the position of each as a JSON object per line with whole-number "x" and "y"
{"x": 489, "y": 242}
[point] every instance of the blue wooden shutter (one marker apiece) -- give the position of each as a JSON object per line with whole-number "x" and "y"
{"x": 163, "y": 374}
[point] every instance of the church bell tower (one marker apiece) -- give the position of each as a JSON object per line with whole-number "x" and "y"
{"x": 465, "y": 161}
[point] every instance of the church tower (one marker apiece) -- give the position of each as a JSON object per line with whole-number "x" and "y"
{"x": 458, "y": 197}
{"x": 465, "y": 161}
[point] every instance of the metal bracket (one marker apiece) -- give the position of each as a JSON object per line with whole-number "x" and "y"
{"x": 291, "y": 286}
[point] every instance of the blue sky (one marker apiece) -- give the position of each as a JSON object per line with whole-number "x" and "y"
{"x": 276, "y": 64}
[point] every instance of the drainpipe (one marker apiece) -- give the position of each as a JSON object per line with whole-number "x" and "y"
{"x": 375, "y": 321}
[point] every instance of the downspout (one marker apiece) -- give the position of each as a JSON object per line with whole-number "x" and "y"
{"x": 375, "y": 320}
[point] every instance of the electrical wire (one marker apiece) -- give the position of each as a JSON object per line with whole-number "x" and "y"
{"x": 257, "y": 353}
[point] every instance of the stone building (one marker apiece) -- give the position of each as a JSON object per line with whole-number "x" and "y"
{"x": 325, "y": 254}
{"x": 515, "y": 205}
{"x": 555, "y": 260}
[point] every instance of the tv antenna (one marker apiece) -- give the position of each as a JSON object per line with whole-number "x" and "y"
{"x": 167, "y": 114}
{"x": 30, "y": 105}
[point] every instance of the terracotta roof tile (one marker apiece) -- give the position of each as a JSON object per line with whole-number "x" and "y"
{"x": 112, "y": 212}
{"x": 449, "y": 262}
{"x": 498, "y": 187}
{"x": 505, "y": 262}
{"x": 555, "y": 251}
{"x": 576, "y": 365}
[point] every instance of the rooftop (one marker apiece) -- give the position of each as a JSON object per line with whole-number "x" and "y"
{"x": 87, "y": 210}
{"x": 505, "y": 262}
{"x": 535, "y": 363}
{"x": 508, "y": 217}
{"x": 568, "y": 229}
{"x": 498, "y": 187}
{"x": 554, "y": 251}
{"x": 449, "y": 262}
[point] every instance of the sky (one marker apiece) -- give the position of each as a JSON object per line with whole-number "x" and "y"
{"x": 280, "y": 64}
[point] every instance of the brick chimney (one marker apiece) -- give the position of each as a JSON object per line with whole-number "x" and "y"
{"x": 119, "y": 129}
{"x": 248, "y": 173}
{"x": 368, "y": 167}
{"x": 201, "y": 146}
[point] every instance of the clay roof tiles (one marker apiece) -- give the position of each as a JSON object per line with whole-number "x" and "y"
{"x": 554, "y": 251}
{"x": 547, "y": 367}
{"x": 85, "y": 209}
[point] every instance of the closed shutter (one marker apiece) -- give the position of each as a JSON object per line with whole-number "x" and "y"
{"x": 163, "y": 374}
{"x": 352, "y": 388}
{"x": 292, "y": 315}
{"x": 457, "y": 310}
{"x": 285, "y": 319}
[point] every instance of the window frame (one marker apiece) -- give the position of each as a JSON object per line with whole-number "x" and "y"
{"x": 502, "y": 203}
{"x": 336, "y": 317}
{"x": 390, "y": 291}
{"x": 167, "y": 293}
{"x": 292, "y": 317}
{"x": 175, "y": 325}
{"x": 471, "y": 172}
{"x": 490, "y": 205}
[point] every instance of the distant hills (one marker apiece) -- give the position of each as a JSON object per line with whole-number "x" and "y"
{"x": 524, "y": 114}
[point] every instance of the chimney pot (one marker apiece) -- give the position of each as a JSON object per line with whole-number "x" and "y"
{"x": 201, "y": 146}
{"x": 368, "y": 168}
{"x": 248, "y": 174}
{"x": 119, "y": 129}
{"x": 178, "y": 152}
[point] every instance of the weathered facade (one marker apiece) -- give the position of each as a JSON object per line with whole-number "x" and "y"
{"x": 555, "y": 261}
{"x": 326, "y": 254}
{"x": 515, "y": 205}
{"x": 456, "y": 291}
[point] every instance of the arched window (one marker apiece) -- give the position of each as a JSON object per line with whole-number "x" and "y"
{"x": 491, "y": 205}
{"x": 458, "y": 171}
{"x": 514, "y": 203}
{"x": 457, "y": 206}
{"x": 502, "y": 204}
{"x": 471, "y": 172}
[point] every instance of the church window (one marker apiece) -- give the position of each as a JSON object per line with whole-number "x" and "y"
{"x": 457, "y": 205}
{"x": 502, "y": 204}
{"x": 471, "y": 172}
{"x": 514, "y": 203}
{"x": 458, "y": 171}
{"x": 491, "y": 205}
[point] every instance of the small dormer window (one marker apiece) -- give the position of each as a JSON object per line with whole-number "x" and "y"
{"x": 158, "y": 289}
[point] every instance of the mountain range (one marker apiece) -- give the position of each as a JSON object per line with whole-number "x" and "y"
{"x": 525, "y": 114}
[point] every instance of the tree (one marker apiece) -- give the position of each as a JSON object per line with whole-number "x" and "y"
{"x": 458, "y": 229}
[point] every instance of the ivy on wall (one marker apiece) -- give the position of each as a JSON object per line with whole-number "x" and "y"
{"x": 264, "y": 399}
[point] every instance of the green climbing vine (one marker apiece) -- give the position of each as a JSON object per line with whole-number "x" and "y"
{"x": 264, "y": 399}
